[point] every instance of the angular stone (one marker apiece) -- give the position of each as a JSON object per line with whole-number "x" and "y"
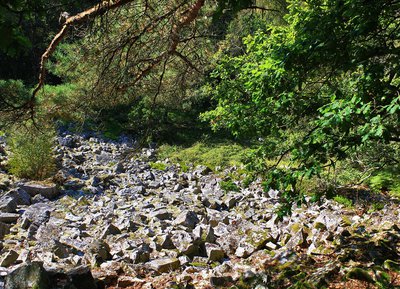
{"x": 4, "y": 230}
{"x": 164, "y": 265}
{"x": 8, "y": 205}
{"x": 9, "y": 217}
{"x": 81, "y": 278}
{"x": 161, "y": 214}
{"x": 110, "y": 229}
{"x": 128, "y": 281}
{"x": 48, "y": 191}
{"x": 188, "y": 219}
{"x": 9, "y": 258}
{"x": 166, "y": 242}
{"x": 30, "y": 275}
{"x": 141, "y": 254}
{"x": 218, "y": 281}
{"x": 20, "y": 196}
{"x": 214, "y": 252}
{"x": 185, "y": 243}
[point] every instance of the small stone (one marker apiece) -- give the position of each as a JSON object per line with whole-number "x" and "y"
{"x": 48, "y": 191}
{"x": 109, "y": 230}
{"x": 218, "y": 281}
{"x": 128, "y": 281}
{"x": 214, "y": 252}
{"x": 164, "y": 265}
{"x": 161, "y": 214}
{"x": 9, "y": 259}
{"x": 9, "y": 217}
{"x": 81, "y": 278}
{"x": 8, "y": 205}
{"x": 188, "y": 219}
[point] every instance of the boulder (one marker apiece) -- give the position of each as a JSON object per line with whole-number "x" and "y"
{"x": 8, "y": 217}
{"x": 164, "y": 265}
{"x": 49, "y": 191}
{"x": 8, "y": 204}
{"x": 9, "y": 258}
{"x": 188, "y": 219}
{"x": 81, "y": 278}
{"x": 30, "y": 275}
{"x": 214, "y": 252}
{"x": 4, "y": 230}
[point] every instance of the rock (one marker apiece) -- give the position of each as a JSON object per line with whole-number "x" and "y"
{"x": 8, "y": 204}
{"x": 98, "y": 252}
{"x": 9, "y": 217}
{"x": 165, "y": 242}
{"x": 40, "y": 220}
{"x": 4, "y": 230}
{"x": 214, "y": 252}
{"x": 188, "y": 219}
{"x": 30, "y": 275}
{"x": 20, "y": 196}
{"x": 204, "y": 233}
{"x": 164, "y": 265}
{"x": 128, "y": 281}
{"x": 9, "y": 258}
{"x": 360, "y": 274}
{"x": 220, "y": 281}
{"x": 244, "y": 250}
{"x": 81, "y": 278}
{"x": 202, "y": 170}
{"x": 161, "y": 214}
{"x": 141, "y": 254}
{"x": 110, "y": 229}
{"x": 185, "y": 243}
{"x": 49, "y": 191}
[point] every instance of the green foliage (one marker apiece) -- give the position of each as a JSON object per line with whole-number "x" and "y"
{"x": 213, "y": 154}
{"x": 386, "y": 181}
{"x": 229, "y": 185}
{"x": 343, "y": 200}
{"x": 330, "y": 77}
{"x": 158, "y": 166}
{"x": 31, "y": 152}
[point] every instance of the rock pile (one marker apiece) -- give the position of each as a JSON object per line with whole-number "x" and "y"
{"x": 141, "y": 227}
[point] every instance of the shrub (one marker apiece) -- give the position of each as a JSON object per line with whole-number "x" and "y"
{"x": 31, "y": 152}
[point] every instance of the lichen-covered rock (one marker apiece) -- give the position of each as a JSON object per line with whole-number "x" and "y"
{"x": 164, "y": 265}
{"x": 49, "y": 191}
{"x": 30, "y": 275}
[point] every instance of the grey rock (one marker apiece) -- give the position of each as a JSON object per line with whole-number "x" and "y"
{"x": 165, "y": 242}
{"x": 164, "y": 265}
{"x": 20, "y": 196}
{"x": 9, "y": 258}
{"x": 218, "y": 281}
{"x": 161, "y": 214}
{"x": 141, "y": 254}
{"x": 214, "y": 252}
{"x": 81, "y": 278}
{"x": 4, "y": 230}
{"x": 9, "y": 217}
{"x": 8, "y": 204}
{"x": 185, "y": 243}
{"x": 47, "y": 191}
{"x": 110, "y": 229}
{"x": 188, "y": 219}
{"x": 30, "y": 275}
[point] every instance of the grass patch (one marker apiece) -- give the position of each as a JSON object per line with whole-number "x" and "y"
{"x": 229, "y": 186}
{"x": 215, "y": 155}
{"x": 343, "y": 200}
{"x": 158, "y": 166}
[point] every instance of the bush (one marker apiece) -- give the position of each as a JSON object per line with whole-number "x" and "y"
{"x": 31, "y": 152}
